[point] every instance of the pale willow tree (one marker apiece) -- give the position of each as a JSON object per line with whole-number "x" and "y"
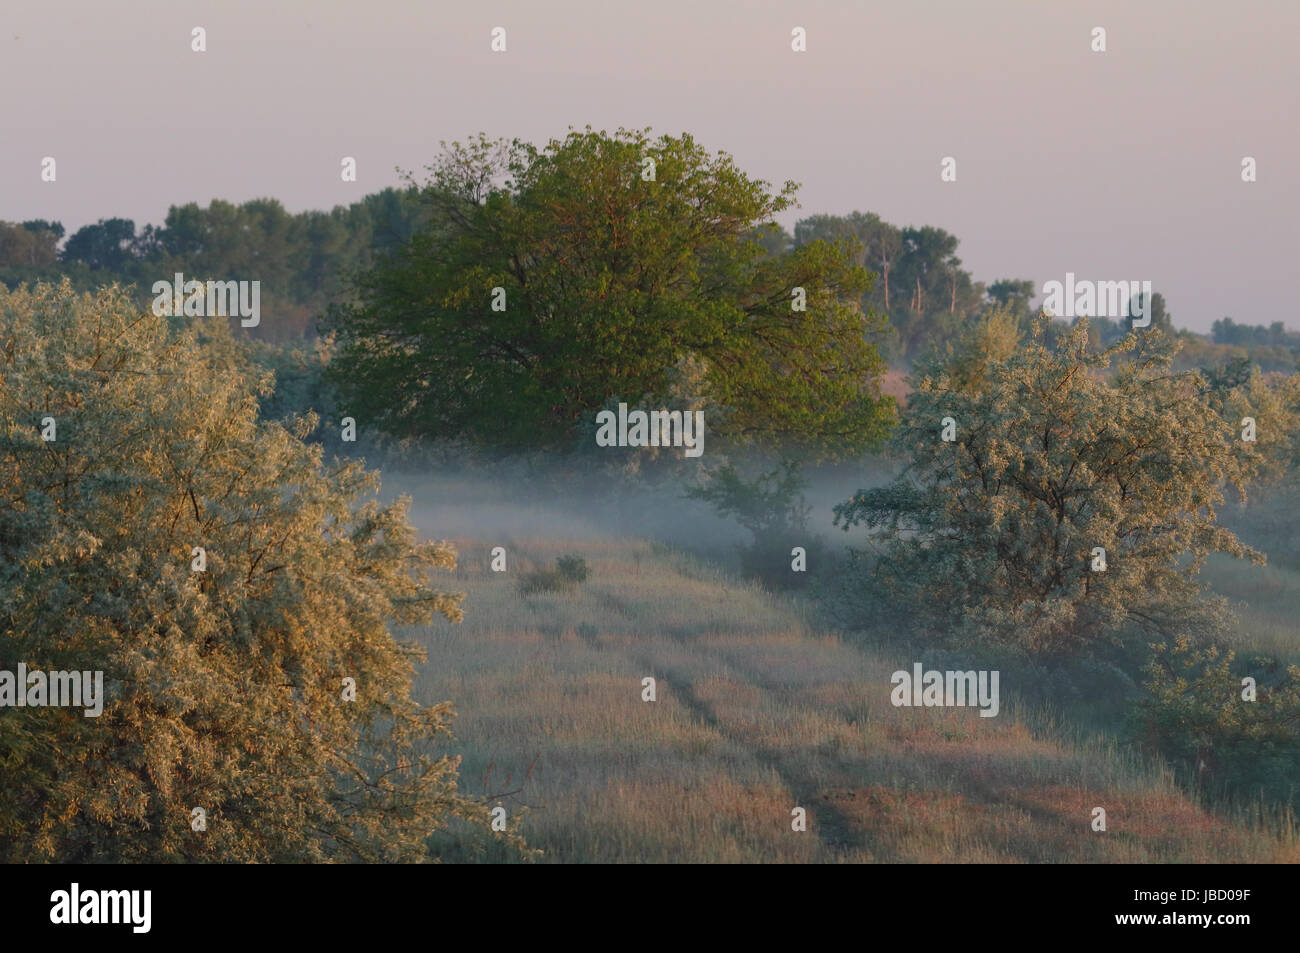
{"x": 996, "y": 535}
{"x": 1266, "y": 408}
{"x": 226, "y": 687}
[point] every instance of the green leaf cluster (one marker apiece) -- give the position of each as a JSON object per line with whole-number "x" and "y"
{"x": 611, "y": 280}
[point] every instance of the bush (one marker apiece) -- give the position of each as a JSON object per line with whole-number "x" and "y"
{"x": 572, "y": 568}
{"x": 1195, "y": 714}
{"x": 568, "y": 574}
{"x": 1051, "y": 506}
{"x": 771, "y": 506}
{"x": 225, "y": 687}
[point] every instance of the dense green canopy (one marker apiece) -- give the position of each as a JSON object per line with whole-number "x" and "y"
{"x": 618, "y": 260}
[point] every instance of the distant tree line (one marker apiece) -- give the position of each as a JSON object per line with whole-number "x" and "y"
{"x": 302, "y": 260}
{"x": 1276, "y": 334}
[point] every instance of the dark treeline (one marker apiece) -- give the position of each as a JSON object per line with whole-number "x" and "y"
{"x": 303, "y": 261}
{"x": 1276, "y": 335}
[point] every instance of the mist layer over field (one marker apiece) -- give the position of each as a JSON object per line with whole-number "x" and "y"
{"x": 760, "y": 707}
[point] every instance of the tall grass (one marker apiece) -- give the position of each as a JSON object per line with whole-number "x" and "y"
{"x": 759, "y": 712}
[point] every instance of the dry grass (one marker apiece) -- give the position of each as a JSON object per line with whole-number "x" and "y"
{"x": 757, "y": 714}
{"x": 1266, "y": 600}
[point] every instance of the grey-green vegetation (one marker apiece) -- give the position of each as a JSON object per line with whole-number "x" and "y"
{"x": 1096, "y": 528}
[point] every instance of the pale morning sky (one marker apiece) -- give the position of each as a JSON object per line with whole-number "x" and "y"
{"x": 1123, "y": 164}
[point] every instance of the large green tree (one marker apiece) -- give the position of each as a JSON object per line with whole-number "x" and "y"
{"x": 618, "y": 258}
{"x": 993, "y": 535}
{"x": 224, "y": 679}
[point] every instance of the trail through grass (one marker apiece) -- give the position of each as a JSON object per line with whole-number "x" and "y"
{"x": 757, "y": 714}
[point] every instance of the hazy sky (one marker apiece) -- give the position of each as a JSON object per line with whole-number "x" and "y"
{"x": 1123, "y": 164}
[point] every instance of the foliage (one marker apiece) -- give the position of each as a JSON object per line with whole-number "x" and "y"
{"x": 568, "y": 574}
{"x": 1013, "y": 293}
{"x": 225, "y": 686}
{"x": 609, "y": 281}
{"x": 1239, "y": 391}
{"x": 301, "y": 260}
{"x": 573, "y": 568}
{"x": 1227, "y": 331}
{"x": 772, "y": 508}
{"x": 968, "y": 357}
{"x": 922, "y": 287}
{"x": 991, "y": 537}
{"x": 1195, "y": 713}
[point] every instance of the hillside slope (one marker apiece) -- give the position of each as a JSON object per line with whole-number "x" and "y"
{"x": 756, "y": 714}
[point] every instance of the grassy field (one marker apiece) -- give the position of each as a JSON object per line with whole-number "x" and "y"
{"x": 757, "y": 713}
{"x": 1266, "y": 600}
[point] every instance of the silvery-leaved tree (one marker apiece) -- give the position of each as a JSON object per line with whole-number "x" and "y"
{"x": 229, "y": 732}
{"x": 1265, "y": 408}
{"x": 1069, "y": 506}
